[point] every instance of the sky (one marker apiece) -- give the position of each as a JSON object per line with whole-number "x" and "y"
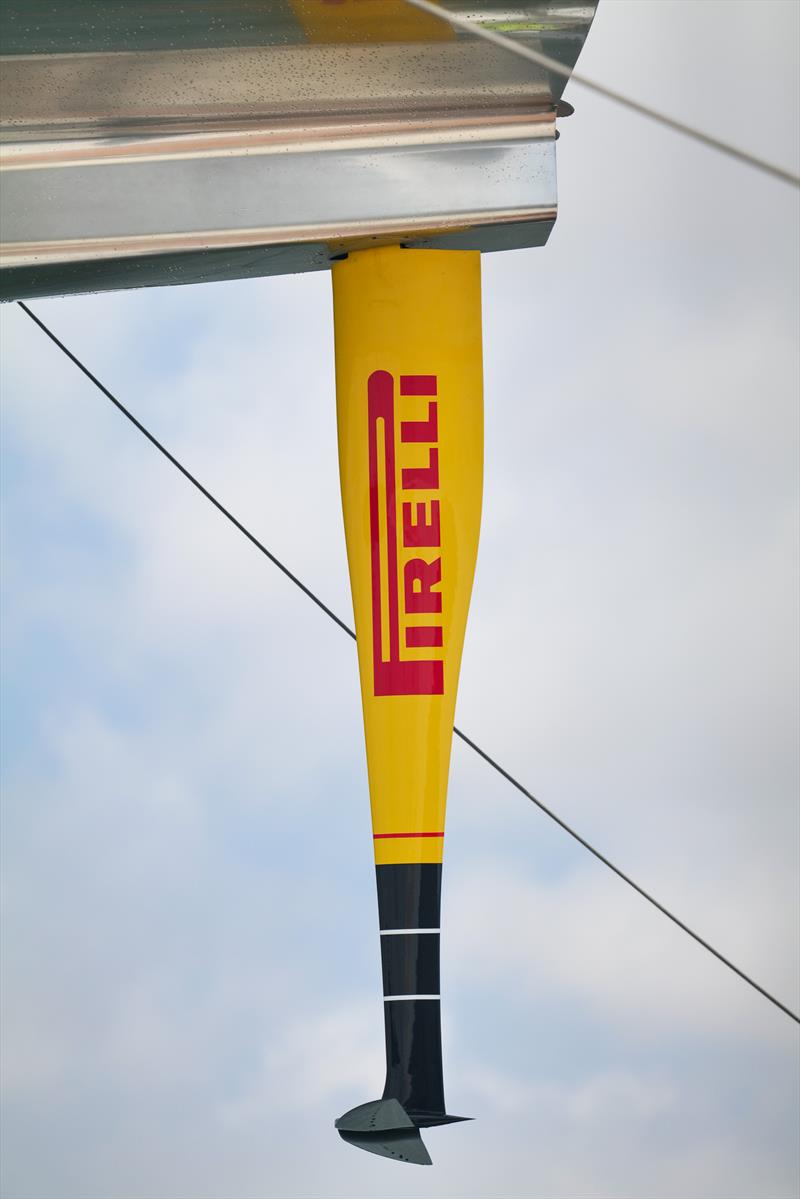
{"x": 191, "y": 979}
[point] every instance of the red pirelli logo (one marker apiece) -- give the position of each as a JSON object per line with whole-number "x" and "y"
{"x": 419, "y": 529}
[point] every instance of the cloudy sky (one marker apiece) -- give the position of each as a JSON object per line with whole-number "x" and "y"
{"x": 191, "y": 972}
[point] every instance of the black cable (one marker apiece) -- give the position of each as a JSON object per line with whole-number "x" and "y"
{"x": 187, "y": 475}
{"x": 621, "y": 874}
{"x": 328, "y": 612}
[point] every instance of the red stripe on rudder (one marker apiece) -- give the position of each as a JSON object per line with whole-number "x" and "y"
{"x": 382, "y": 836}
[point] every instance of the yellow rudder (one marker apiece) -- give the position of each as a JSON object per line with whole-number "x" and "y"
{"x": 410, "y": 423}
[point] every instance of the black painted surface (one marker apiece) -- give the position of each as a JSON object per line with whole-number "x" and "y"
{"x": 410, "y": 964}
{"x": 414, "y": 1056}
{"x": 409, "y": 895}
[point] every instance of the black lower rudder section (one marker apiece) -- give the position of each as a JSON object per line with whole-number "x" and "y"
{"x": 409, "y": 906}
{"x": 409, "y": 897}
{"x": 410, "y": 963}
{"x": 414, "y": 1058}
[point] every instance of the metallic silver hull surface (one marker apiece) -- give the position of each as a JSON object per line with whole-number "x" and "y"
{"x": 265, "y": 137}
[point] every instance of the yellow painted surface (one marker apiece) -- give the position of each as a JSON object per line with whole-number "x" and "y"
{"x": 341, "y": 21}
{"x": 409, "y": 321}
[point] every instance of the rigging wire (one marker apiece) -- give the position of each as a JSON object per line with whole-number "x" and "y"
{"x": 600, "y": 89}
{"x": 346, "y": 628}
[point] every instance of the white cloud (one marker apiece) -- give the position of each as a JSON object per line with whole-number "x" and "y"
{"x": 586, "y": 937}
{"x": 190, "y": 978}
